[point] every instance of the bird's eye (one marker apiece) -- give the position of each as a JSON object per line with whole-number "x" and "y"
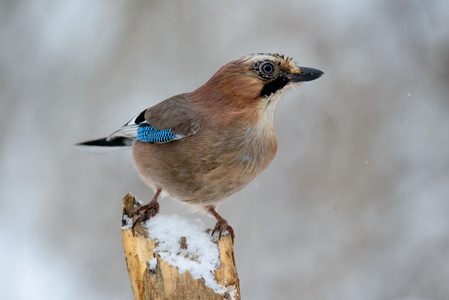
{"x": 267, "y": 68}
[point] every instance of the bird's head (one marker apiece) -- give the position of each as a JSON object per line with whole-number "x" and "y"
{"x": 273, "y": 73}
{"x": 253, "y": 83}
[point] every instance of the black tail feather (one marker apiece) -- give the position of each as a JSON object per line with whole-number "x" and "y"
{"x": 104, "y": 142}
{"x": 104, "y": 145}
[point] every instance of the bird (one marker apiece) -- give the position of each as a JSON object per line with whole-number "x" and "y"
{"x": 203, "y": 146}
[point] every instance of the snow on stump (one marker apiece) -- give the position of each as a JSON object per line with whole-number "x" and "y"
{"x": 170, "y": 257}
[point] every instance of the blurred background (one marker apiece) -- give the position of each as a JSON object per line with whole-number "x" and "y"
{"x": 355, "y": 205}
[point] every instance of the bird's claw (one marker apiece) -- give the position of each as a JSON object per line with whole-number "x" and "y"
{"x": 221, "y": 227}
{"x": 145, "y": 212}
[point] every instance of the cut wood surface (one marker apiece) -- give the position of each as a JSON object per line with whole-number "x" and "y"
{"x": 154, "y": 278}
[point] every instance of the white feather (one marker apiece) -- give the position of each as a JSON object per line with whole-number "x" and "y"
{"x": 95, "y": 149}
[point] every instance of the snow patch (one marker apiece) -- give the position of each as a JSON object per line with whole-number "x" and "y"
{"x": 127, "y": 221}
{"x": 184, "y": 244}
{"x": 152, "y": 265}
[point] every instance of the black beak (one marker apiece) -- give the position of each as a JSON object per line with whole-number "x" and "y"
{"x": 307, "y": 74}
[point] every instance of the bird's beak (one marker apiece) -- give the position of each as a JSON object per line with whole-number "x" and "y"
{"x": 305, "y": 74}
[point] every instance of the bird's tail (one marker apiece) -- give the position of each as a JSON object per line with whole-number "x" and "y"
{"x": 104, "y": 145}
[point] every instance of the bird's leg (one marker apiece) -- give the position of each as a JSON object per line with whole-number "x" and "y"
{"x": 222, "y": 225}
{"x": 147, "y": 211}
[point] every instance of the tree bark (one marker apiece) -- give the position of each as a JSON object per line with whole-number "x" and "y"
{"x": 164, "y": 281}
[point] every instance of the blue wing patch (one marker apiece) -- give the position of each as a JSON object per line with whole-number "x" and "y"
{"x": 149, "y": 134}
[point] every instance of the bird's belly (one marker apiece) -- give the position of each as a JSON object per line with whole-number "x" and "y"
{"x": 201, "y": 175}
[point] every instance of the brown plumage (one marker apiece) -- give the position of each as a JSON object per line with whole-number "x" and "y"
{"x": 216, "y": 139}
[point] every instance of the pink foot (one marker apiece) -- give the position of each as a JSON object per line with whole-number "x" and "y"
{"x": 221, "y": 226}
{"x": 147, "y": 211}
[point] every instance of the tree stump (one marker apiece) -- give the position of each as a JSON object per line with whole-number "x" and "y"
{"x": 150, "y": 260}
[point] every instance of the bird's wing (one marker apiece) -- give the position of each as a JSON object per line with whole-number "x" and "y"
{"x": 170, "y": 120}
